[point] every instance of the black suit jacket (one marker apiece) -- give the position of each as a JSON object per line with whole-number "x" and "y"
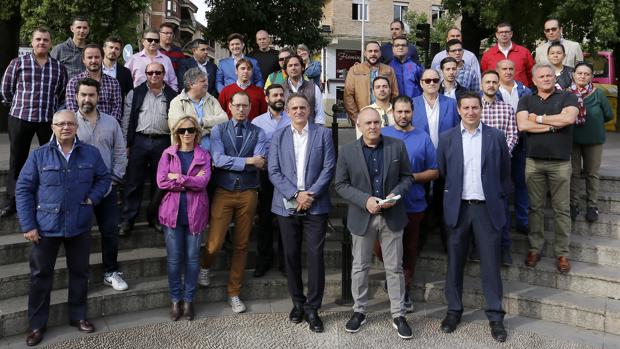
{"x": 123, "y": 75}
{"x": 189, "y": 63}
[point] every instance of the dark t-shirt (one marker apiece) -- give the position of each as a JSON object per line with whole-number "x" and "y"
{"x": 267, "y": 61}
{"x": 186, "y": 158}
{"x": 549, "y": 145}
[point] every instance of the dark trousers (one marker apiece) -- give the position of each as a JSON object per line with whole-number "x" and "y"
{"x": 474, "y": 222}
{"x": 264, "y": 237}
{"x": 433, "y": 218}
{"x": 517, "y": 169}
{"x": 107, "y": 219}
{"x": 20, "y": 137}
{"x": 144, "y": 156}
{"x": 42, "y": 263}
{"x": 310, "y": 230}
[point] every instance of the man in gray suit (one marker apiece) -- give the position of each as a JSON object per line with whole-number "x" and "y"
{"x": 387, "y": 174}
{"x": 301, "y": 166}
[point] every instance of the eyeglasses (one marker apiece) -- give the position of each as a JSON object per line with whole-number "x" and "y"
{"x": 151, "y": 40}
{"x": 240, "y": 106}
{"x": 428, "y": 81}
{"x": 282, "y": 59}
{"x": 190, "y": 130}
{"x": 67, "y": 124}
{"x": 549, "y": 30}
{"x": 154, "y": 72}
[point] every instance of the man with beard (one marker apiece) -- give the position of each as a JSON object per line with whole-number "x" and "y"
{"x": 357, "y": 88}
{"x": 103, "y": 131}
{"x": 199, "y": 59}
{"x": 69, "y": 53}
{"x": 274, "y": 119}
{"x": 383, "y": 93}
{"x": 295, "y": 83}
{"x": 110, "y": 93}
{"x": 112, "y": 48}
{"x": 449, "y": 86}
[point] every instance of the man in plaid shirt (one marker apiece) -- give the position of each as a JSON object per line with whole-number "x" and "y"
{"x": 34, "y": 87}
{"x": 500, "y": 115}
{"x": 465, "y": 75}
{"x": 110, "y": 91}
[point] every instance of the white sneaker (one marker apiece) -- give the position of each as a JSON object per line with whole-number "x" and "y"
{"x": 237, "y": 304}
{"x": 116, "y": 281}
{"x": 203, "y": 278}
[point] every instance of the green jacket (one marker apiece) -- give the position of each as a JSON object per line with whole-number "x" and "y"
{"x": 598, "y": 112}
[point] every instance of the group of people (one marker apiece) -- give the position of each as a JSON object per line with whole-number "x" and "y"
{"x": 225, "y": 142}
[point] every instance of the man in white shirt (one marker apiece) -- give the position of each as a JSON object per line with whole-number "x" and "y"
{"x": 553, "y": 32}
{"x": 468, "y": 57}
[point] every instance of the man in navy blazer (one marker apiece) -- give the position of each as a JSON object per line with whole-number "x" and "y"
{"x": 301, "y": 165}
{"x": 199, "y": 59}
{"x": 227, "y": 70}
{"x": 434, "y": 113}
{"x": 475, "y": 163}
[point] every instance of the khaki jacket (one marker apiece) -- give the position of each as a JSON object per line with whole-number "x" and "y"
{"x": 357, "y": 87}
{"x": 182, "y": 105}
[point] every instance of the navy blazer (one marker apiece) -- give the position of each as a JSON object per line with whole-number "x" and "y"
{"x": 448, "y": 114}
{"x": 320, "y": 168}
{"x": 189, "y": 63}
{"x": 227, "y": 73}
{"x": 496, "y": 182}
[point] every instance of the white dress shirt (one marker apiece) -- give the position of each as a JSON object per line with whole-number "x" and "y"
{"x": 300, "y": 143}
{"x": 472, "y": 164}
{"x": 510, "y": 97}
{"x": 432, "y": 114}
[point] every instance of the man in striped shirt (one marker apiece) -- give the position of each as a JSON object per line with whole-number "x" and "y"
{"x": 499, "y": 115}
{"x": 34, "y": 87}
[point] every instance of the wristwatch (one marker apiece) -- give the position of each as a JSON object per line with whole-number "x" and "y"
{"x": 296, "y": 194}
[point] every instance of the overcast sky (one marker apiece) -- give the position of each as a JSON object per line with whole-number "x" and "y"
{"x": 200, "y": 14}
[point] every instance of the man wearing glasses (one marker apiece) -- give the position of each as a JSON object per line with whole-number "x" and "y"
{"x": 238, "y": 150}
{"x": 465, "y": 74}
{"x": 166, "y": 35}
{"x": 145, "y": 126}
{"x": 408, "y": 72}
{"x": 506, "y": 49}
{"x": 553, "y": 33}
{"x": 56, "y": 191}
{"x": 151, "y": 53}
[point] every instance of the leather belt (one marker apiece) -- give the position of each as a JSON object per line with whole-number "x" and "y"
{"x": 473, "y": 202}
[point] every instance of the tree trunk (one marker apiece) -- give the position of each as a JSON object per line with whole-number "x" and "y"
{"x": 472, "y": 32}
{"x": 9, "y": 41}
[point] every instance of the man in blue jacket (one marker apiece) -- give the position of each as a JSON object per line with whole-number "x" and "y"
{"x": 227, "y": 68}
{"x": 56, "y": 191}
{"x": 408, "y": 72}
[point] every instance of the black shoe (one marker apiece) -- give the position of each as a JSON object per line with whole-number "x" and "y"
{"x": 124, "y": 229}
{"x": 525, "y": 229}
{"x": 355, "y": 322}
{"x": 188, "y": 311}
{"x": 8, "y": 211}
{"x": 574, "y": 212}
{"x": 498, "y": 331}
{"x": 297, "y": 313}
{"x": 408, "y": 303}
{"x": 384, "y": 286}
{"x": 592, "y": 214}
{"x": 175, "y": 311}
{"x": 506, "y": 258}
{"x": 35, "y": 337}
{"x": 260, "y": 271}
{"x": 449, "y": 323}
{"x": 314, "y": 321}
{"x": 282, "y": 270}
{"x": 402, "y": 327}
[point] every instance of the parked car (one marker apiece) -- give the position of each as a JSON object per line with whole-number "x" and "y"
{"x": 606, "y": 80}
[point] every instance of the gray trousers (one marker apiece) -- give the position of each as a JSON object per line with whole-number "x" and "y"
{"x": 392, "y": 248}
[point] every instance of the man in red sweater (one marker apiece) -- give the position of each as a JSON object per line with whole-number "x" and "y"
{"x": 506, "y": 49}
{"x": 258, "y": 105}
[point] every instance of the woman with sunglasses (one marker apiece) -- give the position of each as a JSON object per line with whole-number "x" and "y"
{"x": 588, "y": 139}
{"x": 183, "y": 172}
{"x": 563, "y": 73}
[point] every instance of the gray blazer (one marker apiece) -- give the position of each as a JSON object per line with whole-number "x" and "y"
{"x": 353, "y": 183}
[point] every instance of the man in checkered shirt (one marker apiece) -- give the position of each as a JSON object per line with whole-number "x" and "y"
{"x": 500, "y": 115}
{"x": 33, "y": 86}
{"x": 466, "y": 75}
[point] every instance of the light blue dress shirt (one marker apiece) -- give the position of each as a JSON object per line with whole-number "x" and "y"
{"x": 472, "y": 164}
{"x": 267, "y": 122}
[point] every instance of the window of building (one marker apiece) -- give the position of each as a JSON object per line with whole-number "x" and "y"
{"x": 437, "y": 12}
{"x": 357, "y": 12}
{"x": 400, "y": 8}
{"x": 168, "y": 8}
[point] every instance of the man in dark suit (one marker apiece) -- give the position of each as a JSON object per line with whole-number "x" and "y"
{"x": 199, "y": 59}
{"x": 112, "y": 48}
{"x": 301, "y": 165}
{"x": 386, "y": 174}
{"x": 475, "y": 163}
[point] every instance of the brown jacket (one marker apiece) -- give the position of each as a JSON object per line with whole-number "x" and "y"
{"x": 357, "y": 87}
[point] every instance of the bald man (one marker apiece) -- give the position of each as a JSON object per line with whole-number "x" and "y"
{"x": 265, "y": 55}
{"x": 371, "y": 218}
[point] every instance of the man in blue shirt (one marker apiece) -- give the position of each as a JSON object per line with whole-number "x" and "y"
{"x": 408, "y": 72}
{"x": 424, "y": 169}
{"x": 274, "y": 119}
{"x": 238, "y": 150}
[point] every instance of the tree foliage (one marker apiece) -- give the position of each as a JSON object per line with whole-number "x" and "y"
{"x": 291, "y": 22}
{"x": 439, "y": 30}
{"x": 110, "y": 17}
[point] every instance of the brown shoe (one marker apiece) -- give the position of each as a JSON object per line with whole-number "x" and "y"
{"x": 563, "y": 264}
{"x": 83, "y": 326}
{"x": 35, "y": 337}
{"x": 532, "y": 259}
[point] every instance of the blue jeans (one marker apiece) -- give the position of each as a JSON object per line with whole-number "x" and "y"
{"x": 183, "y": 251}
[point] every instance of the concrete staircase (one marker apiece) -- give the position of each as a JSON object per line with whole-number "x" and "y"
{"x": 587, "y": 297}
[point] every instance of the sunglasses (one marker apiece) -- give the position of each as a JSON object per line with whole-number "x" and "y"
{"x": 428, "y": 81}
{"x": 154, "y": 72}
{"x": 549, "y": 30}
{"x": 190, "y": 130}
{"x": 151, "y": 40}
{"x": 282, "y": 59}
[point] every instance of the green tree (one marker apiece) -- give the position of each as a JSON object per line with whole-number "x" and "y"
{"x": 439, "y": 31}
{"x": 290, "y": 21}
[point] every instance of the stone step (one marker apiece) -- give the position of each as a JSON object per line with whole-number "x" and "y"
{"x": 584, "y": 278}
{"x": 607, "y": 226}
{"x": 566, "y": 307}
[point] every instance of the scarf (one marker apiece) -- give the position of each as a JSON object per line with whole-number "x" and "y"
{"x": 581, "y": 94}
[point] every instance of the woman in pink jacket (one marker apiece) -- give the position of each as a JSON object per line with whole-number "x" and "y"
{"x": 183, "y": 172}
